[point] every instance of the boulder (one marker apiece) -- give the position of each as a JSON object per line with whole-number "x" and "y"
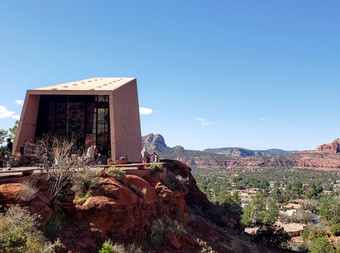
{"x": 11, "y": 192}
{"x": 142, "y": 188}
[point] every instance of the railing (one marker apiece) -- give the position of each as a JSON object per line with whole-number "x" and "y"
{"x": 30, "y": 170}
{"x": 24, "y": 171}
{"x": 139, "y": 166}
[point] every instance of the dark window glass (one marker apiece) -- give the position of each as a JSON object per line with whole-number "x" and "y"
{"x": 83, "y": 116}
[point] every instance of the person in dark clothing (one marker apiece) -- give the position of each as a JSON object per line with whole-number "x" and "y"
{"x": 9, "y": 148}
{"x": 9, "y": 145}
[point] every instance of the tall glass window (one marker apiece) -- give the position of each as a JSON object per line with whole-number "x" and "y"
{"x": 84, "y": 116}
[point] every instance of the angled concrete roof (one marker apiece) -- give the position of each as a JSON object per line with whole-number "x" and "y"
{"x": 92, "y": 84}
{"x": 125, "y": 132}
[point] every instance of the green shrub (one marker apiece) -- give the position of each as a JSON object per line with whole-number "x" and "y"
{"x": 317, "y": 233}
{"x": 321, "y": 245}
{"x": 18, "y": 233}
{"x": 56, "y": 223}
{"x": 334, "y": 220}
{"x": 271, "y": 236}
{"x": 116, "y": 173}
{"x": 226, "y": 215}
{"x": 82, "y": 181}
{"x": 81, "y": 199}
{"x": 159, "y": 227}
{"x": 109, "y": 247}
{"x": 156, "y": 168}
{"x": 204, "y": 247}
{"x": 335, "y": 229}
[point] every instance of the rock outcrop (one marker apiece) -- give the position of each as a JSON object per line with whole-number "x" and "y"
{"x": 331, "y": 148}
{"x": 325, "y": 157}
{"x": 155, "y": 142}
{"x": 124, "y": 213}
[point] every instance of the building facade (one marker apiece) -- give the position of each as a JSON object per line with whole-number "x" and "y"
{"x": 100, "y": 111}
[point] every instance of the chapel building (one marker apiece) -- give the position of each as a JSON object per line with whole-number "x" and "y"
{"x": 101, "y": 111}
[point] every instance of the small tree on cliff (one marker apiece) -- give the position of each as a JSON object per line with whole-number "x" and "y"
{"x": 55, "y": 153}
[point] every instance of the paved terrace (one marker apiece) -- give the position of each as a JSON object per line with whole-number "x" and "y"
{"x": 138, "y": 169}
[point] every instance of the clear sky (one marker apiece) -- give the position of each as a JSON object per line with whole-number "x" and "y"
{"x": 210, "y": 74}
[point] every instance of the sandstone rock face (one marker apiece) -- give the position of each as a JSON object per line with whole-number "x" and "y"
{"x": 36, "y": 206}
{"x": 13, "y": 193}
{"x": 10, "y": 193}
{"x": 154, "y": 142}
{"x": 142, "y": 188}
{"x": 124, "y": 213}
{"x": 331, "y": 148}
{"x": 194, "y": 197}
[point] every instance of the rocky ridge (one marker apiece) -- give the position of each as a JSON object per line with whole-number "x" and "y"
{"x": 326, "y": 156}
{"x": 331, "y": 148}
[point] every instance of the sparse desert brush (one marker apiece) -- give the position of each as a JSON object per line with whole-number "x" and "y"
{"x": 175, "y": 182}
{"x": 159, "y": 227}
{"x": 82, "y": 181}
{"x": 55, "y": 153}
{"x": 156, "y": 168}
{"x": 80, "y": 199}
{"x": 204, "y": 247}
{"x": 18, "y": 233}
{"x": 116, "y": 173}
{"x": 29, "y": 192}
{"x": 110, "y": 247}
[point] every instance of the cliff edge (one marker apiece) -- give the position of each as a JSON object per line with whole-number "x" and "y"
{"x": 125, "y": 212}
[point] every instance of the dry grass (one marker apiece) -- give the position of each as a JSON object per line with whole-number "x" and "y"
{"x": 29, "y": 192}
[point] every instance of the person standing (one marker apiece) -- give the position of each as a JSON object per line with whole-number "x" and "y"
{"x": 144, "y": 155}
{"x": 96, "y": 154}
{"x": 8, "y": 153}
{"x": 152, "y": 157}
{"x": 90, "y": 153}
{"x": 155, "y": 157}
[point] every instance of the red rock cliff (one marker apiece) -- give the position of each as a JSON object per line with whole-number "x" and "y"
{"x": 332, "y": 148}
{"x": 123, "y": 214}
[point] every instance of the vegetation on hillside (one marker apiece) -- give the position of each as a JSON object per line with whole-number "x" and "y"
{"x": 19, "y": 233}
{"x": 273, "y": 188}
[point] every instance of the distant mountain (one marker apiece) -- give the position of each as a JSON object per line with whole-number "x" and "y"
{"x": 156, "y": 142}
{"x": 241, "y": 152}
{"x": 326, "y": 156}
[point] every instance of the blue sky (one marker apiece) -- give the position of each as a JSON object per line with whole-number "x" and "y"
{"x": 252, "y": 74}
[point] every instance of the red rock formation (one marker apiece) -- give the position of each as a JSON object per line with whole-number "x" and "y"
{"x": 331, "y": 148}
{"x": 11, "y": 193}
{"x": 124, "y": 213}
